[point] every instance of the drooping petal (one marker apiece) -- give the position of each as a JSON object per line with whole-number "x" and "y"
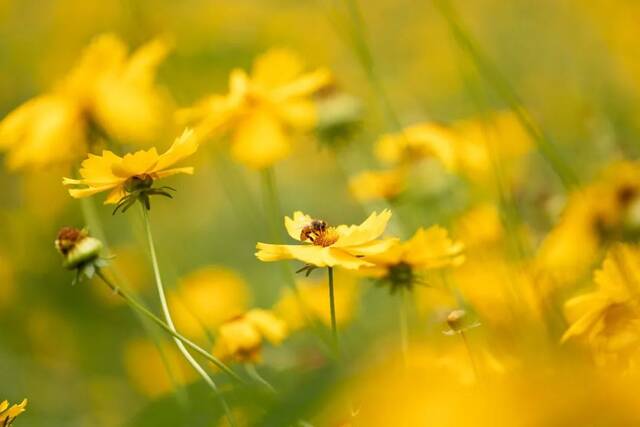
{"x": 339, "y": 257}
{"x": 168, "y": 172}
{"x": 308, "y": 254}
{"x": 294, "y": 226}
{"x": 370, "y": 229}
{"x": 115, "y": 195}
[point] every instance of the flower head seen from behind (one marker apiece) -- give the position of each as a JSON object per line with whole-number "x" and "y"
{"x": 241, "y": 338}
{"x": 263, "y": 109}
{"x": 9, "y": 413}
{"x": 133, "y": 174}
{"x": 402, "y": 264}
{"x": 322, "y": 245}
{"x": 107, "y": 94}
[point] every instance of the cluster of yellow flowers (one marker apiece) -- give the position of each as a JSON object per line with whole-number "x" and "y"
{"x": 495, "y": 272}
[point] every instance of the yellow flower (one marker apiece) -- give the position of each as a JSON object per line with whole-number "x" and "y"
{"x": 401, "y": 264}
{"x": 372, "y": 185}
{"x": 261, "y": 110}
{"x": 417, "y": 142}
{"x": 120, "y": 175}
{"x": 608, "y": 319}
{"x": 311, "y": 300}
{"x": 604, "y": 211}
{"x": 9, "y": 413}
{"x": 107, "y": 93}
{"x": 207, "y": 297}
{"x": 325, "y": 246}
{"x": 241, "y": 338}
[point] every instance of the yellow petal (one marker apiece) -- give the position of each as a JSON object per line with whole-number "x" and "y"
{"x": 97, "y": 170}
{"x": 306, "y": 253}
{"x": 137, "y": 163}
{"x": 294, "y": 226}
{"x": 369, "y": 230}
{"x": 276, "y": 67}
{"x": 305, "y": 85}
{"x": 373, "y": 247}
{"x": 260, "y": 140}
{"x": 115, "y": 195}
{"x": 184, "y": 146}
{"x": 79, "y": 193}
{"x": 165, "y": 173}
{"x": 272, "y": 328}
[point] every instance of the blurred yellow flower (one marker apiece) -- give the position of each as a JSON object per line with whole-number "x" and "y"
{"x": 375, "y": 185}
{"x": 311, "y": 300}
{"x": 604, "y": 211}
{"x": 417, "y": 142}
{"x": 155, "y": 370}
{"x": 401, "y": 264}
{"x": 326, "y": 246}
{"x": 263, "y": 109}
{"x": 106, "y": 93}
{"x": 207, "y": 297}
{"x": 9, "y": 413}
{"x": 241, "y": 338}
{"x": 608, "y": 319}
{"x": 122, "y": 175}
{"x": 472, "y": 147}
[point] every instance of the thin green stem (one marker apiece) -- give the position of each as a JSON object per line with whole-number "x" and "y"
{"x": 167, "y": 315}
{"x": 504, "y": 89}
{"x": 141, "y": 309}
{"x": 332, "y": 308}
{"x": 253, "y": 373}
{"x": 403, "y": 323}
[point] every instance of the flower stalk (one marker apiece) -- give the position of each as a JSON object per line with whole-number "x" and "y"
{"x": 167, "y": 314}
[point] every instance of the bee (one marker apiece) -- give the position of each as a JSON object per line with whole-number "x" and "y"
{"x": 312, "y": 230}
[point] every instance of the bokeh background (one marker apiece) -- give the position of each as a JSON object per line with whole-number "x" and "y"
{"x": 83, "y": 359}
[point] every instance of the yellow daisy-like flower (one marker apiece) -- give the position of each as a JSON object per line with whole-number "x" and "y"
{"x": 326, "y": 246}
{"x": 608, "y": 319}
{"x": 376, "y": 185}
{"x": 107, "y": 93}
{"x": 9, "y": 413}
{"x": 262, "y": 109}
{"x": 401, "y": 264}
{"x": 241, "y": 338}
{"x": 122, "y": 175}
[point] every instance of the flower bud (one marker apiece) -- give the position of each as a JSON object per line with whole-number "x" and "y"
{"x": 455, "y": 319}
{"x": 77, "y": 247}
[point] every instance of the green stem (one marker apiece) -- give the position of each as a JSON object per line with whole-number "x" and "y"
{"x": 332, "y": 308}
{"x": 94, "y": 224}
{"x": 403, "y": 323}
{"x": 504, "y": 89}
{"x": 167, "y": 315}
{"x": 253, "y": 373}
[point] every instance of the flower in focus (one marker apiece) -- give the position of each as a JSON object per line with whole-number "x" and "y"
{"x": 241, "y": 338}
{"x": 311, "y": 300}
{"x": 262, "y": 109}
{"x": 374, "y": 185}
{"x": 131, "y": 174}
{"x": 605, "y": 211}
{"x": 608, "y": 319}
{"x": 401, "y": 264}
{"x": 207, "y": 297}
{"x": 326, "y": 246}
{"x": 107, "y": 93}
{"x": 9, "y": 413}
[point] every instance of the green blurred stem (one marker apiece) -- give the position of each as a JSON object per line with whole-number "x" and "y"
{"x": 470, "y": 353}
{"x": 167, "y": 315}
{"x": 503, "y": 88}
{"x": 332, "y": 308}
{"x": 403, "y": 323}
{"x": 253, "y": 373}
{"x": 365, "y": 57}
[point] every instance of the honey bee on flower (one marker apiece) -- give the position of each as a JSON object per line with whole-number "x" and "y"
{"x": 322, "y": 245}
